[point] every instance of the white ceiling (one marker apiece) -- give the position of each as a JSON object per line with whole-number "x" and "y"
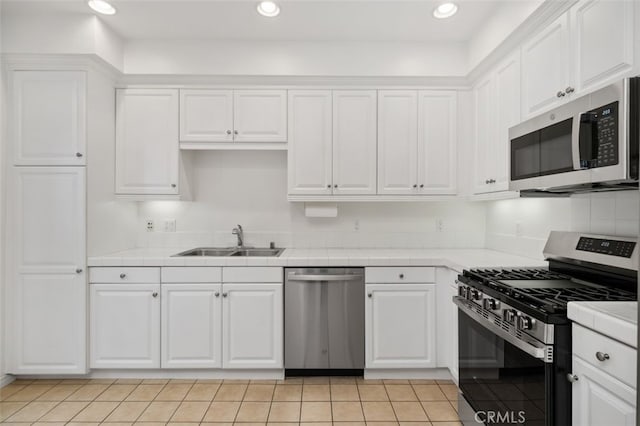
{"x": 300, "y": 20}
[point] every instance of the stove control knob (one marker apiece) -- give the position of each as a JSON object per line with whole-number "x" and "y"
{"x": 509, "y": 315}
{"x": 525, "y": 323}
{"x": 462, "y": 291}
{"x": 475, "y": 294}
{"x": 490, "y": 304}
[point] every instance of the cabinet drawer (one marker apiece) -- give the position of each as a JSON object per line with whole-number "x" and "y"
{"x": 252, "y": 275}
{"x": 622, "y": 358}
{"x": 124, "y": 275}
{"x": 191, "y": 274}
{"x": 400, "y": 275}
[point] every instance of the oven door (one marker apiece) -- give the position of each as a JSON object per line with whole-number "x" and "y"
{"x": 501, "y": 383}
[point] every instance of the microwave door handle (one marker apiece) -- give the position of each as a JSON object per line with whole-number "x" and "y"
{"x": 575, "y": 142}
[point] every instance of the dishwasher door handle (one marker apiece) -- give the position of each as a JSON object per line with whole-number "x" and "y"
{"x": 323, "y": 277}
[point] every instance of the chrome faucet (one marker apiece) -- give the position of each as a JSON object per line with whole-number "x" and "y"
{"x": 240, "y": 234}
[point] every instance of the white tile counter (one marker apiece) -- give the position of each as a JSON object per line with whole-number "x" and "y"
{"x": 456, "y": 259}
{"x": 618, "y": 320}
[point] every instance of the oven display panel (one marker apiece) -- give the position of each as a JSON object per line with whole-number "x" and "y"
{"x": 610, "y": 247}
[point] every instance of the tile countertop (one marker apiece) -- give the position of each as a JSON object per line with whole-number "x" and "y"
{"x": 618, "y": 320}
{"x": 456, "y": 259}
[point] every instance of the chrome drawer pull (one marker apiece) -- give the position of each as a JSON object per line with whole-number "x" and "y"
{"x": 572, "y": 378}
{"x": 602, "y": 356}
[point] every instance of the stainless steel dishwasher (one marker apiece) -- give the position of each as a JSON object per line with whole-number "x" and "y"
{"x": 324, "y": 319}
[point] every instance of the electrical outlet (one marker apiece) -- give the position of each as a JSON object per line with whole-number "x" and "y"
{"x": 439, "y": 225}
{"x": 149, "y": 225}
{"x": 169, "y": 225}
{"x": 519, "y": 229}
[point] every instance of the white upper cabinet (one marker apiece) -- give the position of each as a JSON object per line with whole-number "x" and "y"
{"x": 354, "y": 142}
{"x": 260, "y": 115}
{"x": 309, "y": 151}
{"x": 233, "y": 115}
{"x": 206, "y": 115}
{"x": 603, "y": 41}
{"x": 546, "y": 67}
{"x": 485, "y": 108}
{"x": 437, "y": 154}
{"x": 397, "y": 141}
{"x": 147, "y": 151}
{"x": 48, "y": 118}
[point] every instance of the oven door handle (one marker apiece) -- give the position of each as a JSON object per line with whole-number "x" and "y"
{"x": 538, "y": 351}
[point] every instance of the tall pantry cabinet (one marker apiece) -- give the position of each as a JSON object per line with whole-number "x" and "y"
{"x": 46, "y": 220}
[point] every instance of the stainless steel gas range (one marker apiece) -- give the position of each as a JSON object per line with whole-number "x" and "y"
{"x": 514, "y": 337}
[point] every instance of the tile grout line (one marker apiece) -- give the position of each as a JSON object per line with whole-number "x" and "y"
{"x": 179, "y": 405}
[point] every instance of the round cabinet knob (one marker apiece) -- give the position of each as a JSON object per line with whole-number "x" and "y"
{"x": 335, "y": 186}
{"x": 329, "y": 186}
{"x": 78, "y": 154}
{"x": 369, "y": 295}
{"x": 235, "y": 132}
{"x": 572, "y": 378}
{"x": 173, "y": 185}
{"x": 401, "y": 276}
{"x": 217, "y": 294}
{"x": 224, "y": 294}
{"x": 560, "y": 94}
{"x": 415, "y": 186}
{"x": 228, "y": 132}
{"x": 570, "y": 89}
{"x": 78, "y": 270}
{"x": 600, "y": 356}
{"x": 123, "y": 276}
{"x": 492, "y": 181}
{"x": 154, "y": 294}
{"x": 422, "y": 185}
{"x": 487, "y": 181}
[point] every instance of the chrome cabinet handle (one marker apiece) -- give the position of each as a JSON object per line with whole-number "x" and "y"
{"x": 492, "y": 181}
{"x": 570, "y": 89}
{"x": 600, "y": 356}
{"x": 422, "y": 185}
{"x": 123, "y": 276}
{"x": 329, "y": 186}
{"x": 369, "y": 295}
{"x": 401, "y": 276}
{"x": 415, "y": 185}
{"x": 335, "y": 186}
{"x": 154, "y": 294}
{"x": 224, "y": 294}
{"x": 173, "y": 185}
{"x": 235, "y": 132}
{"x": 78, "y": 270}
{"x": 572, "y": 378}
{"x": 487, "y": 181}
{"x": 78, "y": 154}
{"x": 560, "y": 94}
{"x": 228, "y": 132}
{"x": 217, "y": 294}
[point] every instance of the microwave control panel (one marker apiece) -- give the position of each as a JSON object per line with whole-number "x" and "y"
{"x": 604, "y": 122}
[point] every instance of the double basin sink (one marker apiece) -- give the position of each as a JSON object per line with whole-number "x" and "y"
{"x": 234, "y": 252}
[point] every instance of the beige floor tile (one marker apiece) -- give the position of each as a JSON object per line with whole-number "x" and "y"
{"x": 102, "y": 381}
{"x": 317, "y": 380}
{"x": 429, "y": 393}
{"x": 128, "y": 381}
{"x": 401, "y": 393}
{"x": 422, "y": 381}
{"x": 31, "y": 412}
{"x": 128, "y": 411}
{"x": 235, "y": 382}
{"x": 288, "y": 424}
{"x": 148, "y": 423}
{"x": 202, "y": 392}
{"x": 210, "y": 381}
{"x": 216, "y": 424}
{"x": 284, "y": 412}
{"x": 10, "y": 389}
{"x": 222, "y": 411}
{"x": 316, "y": 392}
{"x": 75, "y": 381}
{"x": 23, "y": 381}
{"x": 74, "y": 423}
{"x": 373, "y": 393}
{"x": 440, "y": 411}
{"x": 256, "y": 424}
{"x": 116, "y": 393}
{"x": 409, "y": 411}
{"x": 7, "y": 409}
{"x": 349, "y": 423}
{"x": 174, "y": 392}
{"x": 145, "y": 392}
{"x": 117, "y": 423}
{"x": 287, "y": 393}
{"x": 58, "y": 392}
{"x": 87, "y": 392}
{"x": 253, "y": 412}
{"x": 190, "y": 411}
{"x": 343, "y": 380}
{"x": 29, "y": 393}
{"x": 183, "y": 381}
{"x": 388, "y": 423}
{"x": 155, "y": 381}
{"x": 344, "y": 393}
{"x": 95, "y": 411}
{"x": 447, "y": 424}
{"x": 396, "y": 381}
{"x": 450, "y": 391}
{"x": 304, "y": 424}
{"x": 230, "y": 392}
{"x": 347, "y": 411}
{"x": 48, "y": 424}
{"x": 445, "y": 382}
{"x": 17, "y": 424}
{"x": 315, "y": 412}
{"x": 418, "y": 424}
{"x": 263, "y": 382}
{"x": 363, "y": 381}
{"x": 378, "y": 411}
{"x": 159, "y": 411}
{"x": 259, "y": 392}
{"x": 290, "y": 381}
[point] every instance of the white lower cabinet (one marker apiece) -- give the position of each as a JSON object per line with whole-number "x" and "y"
{"x": 252, "y": 317}
{"x": 191, "y": 325}
{"x": 400, "y": 325}
{"x": 125, "y": 330}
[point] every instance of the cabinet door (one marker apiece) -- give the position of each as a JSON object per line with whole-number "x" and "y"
{"x": 191, "y": 325}
{"x": 546, "y": 67}
{"x": 260, "y": 116}
{"x": 354, "y": 142}
{"x": 397, "y": 141}
{"x": 309, "y": 152}
{"x": 485, "y": 110}
{"x": 437, "y": 156}
{"x": 599, "y": 399}
{"x": 147, "y": 151}
{"x": 400, "y": 326}
{"x": 47, "y": 257}
{"x": 507, "y": 107}
{"x": 603, "y": 41}
{"x": 49, "y": 114}
{"x": 252, "y": 331}
{"x": 206, "y": 115}
{"x": 125, "y": 325}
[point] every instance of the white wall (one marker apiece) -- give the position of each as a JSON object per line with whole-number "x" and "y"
{"x": 610, "y": 213}
{"x": 250, "y": 189}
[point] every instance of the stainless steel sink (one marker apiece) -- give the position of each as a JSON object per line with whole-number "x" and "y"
{"x": 233, "y": 251}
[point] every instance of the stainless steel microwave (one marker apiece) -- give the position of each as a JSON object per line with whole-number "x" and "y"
{"x": 588, "y": 144}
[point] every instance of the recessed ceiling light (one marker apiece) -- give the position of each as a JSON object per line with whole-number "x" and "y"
{"x": 445, "y": 10}
{"x": 102, "y": 6}
{"x": 268, "y": 8}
